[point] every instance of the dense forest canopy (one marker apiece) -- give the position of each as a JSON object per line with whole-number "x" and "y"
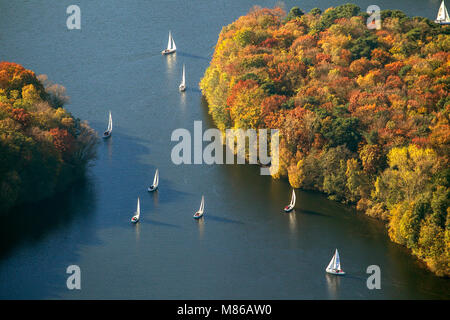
{"x": 43, "y": 148}
{"x": 363, "y": 114}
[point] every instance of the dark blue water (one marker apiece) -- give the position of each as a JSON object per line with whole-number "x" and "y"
{"x": 245, "y": 247}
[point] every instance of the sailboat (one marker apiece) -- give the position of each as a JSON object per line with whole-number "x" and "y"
{"x": 154, "y": 186}
{"x": 171, "y": 47}
{"x": 182, "y": 86}
{"x": 442, "y": 16}
{"x": 108, "y": 131}
{"x": 199, "y": 213}
{"x": 291, "y": 205}
{"x": 334, "y": 267}
{"x": 137, "y": 214}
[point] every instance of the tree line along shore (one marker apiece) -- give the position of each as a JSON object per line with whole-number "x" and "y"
{"x": 43, "y": 147}
{"x": 363, "y": 114}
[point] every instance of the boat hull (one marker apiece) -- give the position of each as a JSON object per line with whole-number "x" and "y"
{"x": 288, "y": 208}
{"x": 151, "y": 189}
{"x": 106, "y": 134}
{"x": 182, "y": 88}
{"x": 134, "y": 220}
{"x": 335, "y": 272}
{"x": 198, "y": 215}
{"x": 167, "y": 51}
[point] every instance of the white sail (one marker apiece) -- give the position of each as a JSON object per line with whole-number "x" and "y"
{"x": 337, "y": 261}
{"x": 156, "y": 179}
{"x": 332, "y": 263}
{"x": 183, "y": 78}
{"x": 169, "y": 43}
{"x": 334, "y": 266}
{"x": 202, "y": 205}
{"x": 293, "y": 198}
{"x": 442, "y": 15}
{"x": 110, "y": 122}
{"x": 138, "y": 209}
{"x": 174, "y": 47}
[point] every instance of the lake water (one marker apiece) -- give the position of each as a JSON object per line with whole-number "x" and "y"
{"x": 245, "y": 247}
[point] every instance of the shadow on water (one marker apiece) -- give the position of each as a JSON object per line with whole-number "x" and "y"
{"x": 158, "y": 223}
{"x": 167, "y": 194}
{"x": 193, "y": 89}
{"x": 33, "y": 222}
{"x": 221, "y": 219}
{"x": 314, "y": 213}
{"x": 188, "y": 55}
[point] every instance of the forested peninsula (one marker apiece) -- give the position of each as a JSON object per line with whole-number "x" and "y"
{"x": 363, "y": 113}
{"x": 43, "y": 148}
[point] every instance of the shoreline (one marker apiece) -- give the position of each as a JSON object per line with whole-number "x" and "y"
{"x": 331, "y": 139}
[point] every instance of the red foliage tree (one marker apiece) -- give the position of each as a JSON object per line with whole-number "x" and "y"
{"x": 272, "y": 104}
{"x": 63, "y": 141}
{"x": 20, "y": 115}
